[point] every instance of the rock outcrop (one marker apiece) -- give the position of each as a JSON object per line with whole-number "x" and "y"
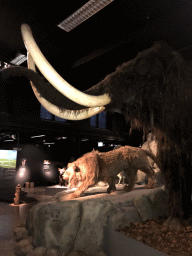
{"x": 76, "y": 227}
{"x": 150, "y": 145}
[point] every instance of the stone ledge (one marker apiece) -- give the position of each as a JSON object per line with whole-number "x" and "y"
{"x": 79, "y": 224}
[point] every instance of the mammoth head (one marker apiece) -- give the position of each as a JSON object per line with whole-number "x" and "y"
{"x": 116, "y": 92}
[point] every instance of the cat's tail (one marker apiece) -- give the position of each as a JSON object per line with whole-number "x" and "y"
{"x": 152, "y": 156}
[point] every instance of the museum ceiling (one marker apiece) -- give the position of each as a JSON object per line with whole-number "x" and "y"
{"x": 94, "y": 48}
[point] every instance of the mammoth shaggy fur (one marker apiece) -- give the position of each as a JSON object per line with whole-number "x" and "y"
{"x": 96, "y": 166}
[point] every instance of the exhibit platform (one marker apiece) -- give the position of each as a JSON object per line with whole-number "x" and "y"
{"x": 11, "y": 215}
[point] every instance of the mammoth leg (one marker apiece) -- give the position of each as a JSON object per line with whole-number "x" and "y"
{"x": 112, "y": 187}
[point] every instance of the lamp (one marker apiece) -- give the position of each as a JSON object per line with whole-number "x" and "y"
{"x": 83, "y": 13}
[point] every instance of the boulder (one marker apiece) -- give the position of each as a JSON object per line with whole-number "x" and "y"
{"x": 101, "y": 253}
{"x": 68, "y": 224}
{"x": 94, "y": 216}
{"x": 55, "y": 224}
{"x": 143, "y": 206}
{"x": 77, "y": 227}
{"x": 152, "y": 205}
{"x": 52, "y": 252}
{"x": 38, "y": 251}
{"x": 20, "y": 233}
{"x": 76, "y": 253}
{"x": 159, "y": 202}
{"x": 121, "y": 217}
{"x": 23, "y": 247}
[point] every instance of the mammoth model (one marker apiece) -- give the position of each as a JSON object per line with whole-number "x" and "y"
{"x": 96, "y": 166}
{"x": 153, "y": 90}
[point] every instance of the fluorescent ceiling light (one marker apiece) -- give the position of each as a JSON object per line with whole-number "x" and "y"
{"x": 84, "y": 13}
{"x": 37, "y": 136}
{"x": 19, "y": 59}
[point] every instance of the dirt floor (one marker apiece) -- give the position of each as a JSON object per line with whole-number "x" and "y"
{"x": 155, "y": 235}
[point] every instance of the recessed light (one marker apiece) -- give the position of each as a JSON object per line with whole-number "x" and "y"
{"x": 100, "y": 144}
{"x": 61, "y": 138}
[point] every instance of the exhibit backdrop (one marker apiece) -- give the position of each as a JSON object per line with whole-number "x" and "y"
{"x": 8, "y": 160}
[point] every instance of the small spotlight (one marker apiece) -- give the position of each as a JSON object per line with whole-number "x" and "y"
{"x": 22, "y": 171}
{"x": 100, "y": 144}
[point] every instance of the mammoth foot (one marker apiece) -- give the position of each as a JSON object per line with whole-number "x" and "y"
{"x": 174, "y": 223}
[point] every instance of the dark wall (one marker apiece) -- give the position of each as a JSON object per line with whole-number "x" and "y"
{"x": 34, "y": 166}
{"x": 30, "y": 165}
{"x": 30, "y": 159}
{"x": 17, "y": 97}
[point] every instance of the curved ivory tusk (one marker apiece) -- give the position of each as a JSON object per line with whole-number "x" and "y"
{"x": 55, "y": 79}
{"x": 66, "y": 114}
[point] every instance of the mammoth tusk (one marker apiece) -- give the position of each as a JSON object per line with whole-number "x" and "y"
{"x": 55, "y": 79}
{"x": 65, "y": 114}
